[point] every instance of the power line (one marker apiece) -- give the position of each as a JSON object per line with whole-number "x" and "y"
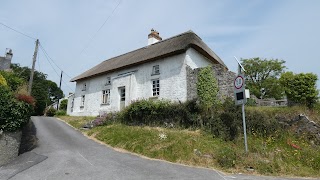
{"x": 47, "y": 57}
{"x": 17, "y": 31}
{"x": 45, "y": 52}
{"x": 94, "y": 35}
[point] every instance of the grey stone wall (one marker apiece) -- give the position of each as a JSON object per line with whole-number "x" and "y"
{"x": 4, "y": 63}
{"x": 224, "y": 78}
{"x": 9, "y": 146}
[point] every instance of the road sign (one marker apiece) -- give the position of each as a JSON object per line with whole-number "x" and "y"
{"x": 239, "y": 90}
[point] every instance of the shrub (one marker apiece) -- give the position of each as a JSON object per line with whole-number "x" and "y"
{"x": 51, "y": 111}
{"x": 13, "y": 81}
{"x": 26, "y": 98}
{"x": 3, "y": 81}
{"x": 148, "y": 112}
{"x": 14, "y": 114}
{"x": 63, "y": 105}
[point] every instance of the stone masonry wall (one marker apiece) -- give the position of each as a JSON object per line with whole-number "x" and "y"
{"x": 9, "y": 146}
{"x": 224, "y": 78}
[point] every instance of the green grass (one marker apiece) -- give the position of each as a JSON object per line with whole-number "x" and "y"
{"x": 76, "y": 121}
{"x": 273, "y": 155}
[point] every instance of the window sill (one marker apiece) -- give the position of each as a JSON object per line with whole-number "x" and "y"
{"x": 154, "y": 97}
{"x": 104, "y": 104}
{"x": 155, "y": 74}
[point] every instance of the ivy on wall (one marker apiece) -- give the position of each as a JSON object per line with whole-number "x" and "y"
{"x": 207, "y": 88}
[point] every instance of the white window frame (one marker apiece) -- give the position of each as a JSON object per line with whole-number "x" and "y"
{"x": 155, "y": 70}
{"x": 105, "y": 96}
{"x": 108, "y": 81}
{"x": 83, "y": 99}
{"x": 155, "y": 87}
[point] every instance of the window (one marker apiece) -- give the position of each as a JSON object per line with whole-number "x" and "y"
{"x": 156, "y": 87}
{"x": 108, "y": 82}
{"x": 106, "y": 96}
{"x": 82, "y": 101}
{"x": 84, "y": 87}
{"x": 72, "y": 104}
{"x": 155, "y": 70}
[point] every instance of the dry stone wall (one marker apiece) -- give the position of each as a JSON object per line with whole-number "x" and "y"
{"x": 224, "y": 78}
{"x": 9, "y": 146}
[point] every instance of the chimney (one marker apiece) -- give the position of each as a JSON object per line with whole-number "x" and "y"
{"x": 153, "y": 37}
{"x": 8, "y": 54}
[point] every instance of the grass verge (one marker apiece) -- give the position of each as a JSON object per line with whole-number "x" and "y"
{"x": 274, "y": 155}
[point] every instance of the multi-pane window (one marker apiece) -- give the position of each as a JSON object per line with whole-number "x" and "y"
{"x": 155, "y": 70}
{"x": 84, "y": 87}
{"x": 82, "y": 100}
{"x": 122, "y": 94}
{"x": 106, "y": 96}
{"x": 108, "y": 82}
{"x": 156, "y": 87}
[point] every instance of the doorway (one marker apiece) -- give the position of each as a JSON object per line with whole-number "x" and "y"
{"x": 122, "y": 93}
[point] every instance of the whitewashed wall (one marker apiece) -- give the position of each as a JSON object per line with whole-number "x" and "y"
{"x": 196, "y": 60}
{"x": 138, "y": 84}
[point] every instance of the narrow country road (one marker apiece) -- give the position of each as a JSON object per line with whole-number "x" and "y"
{"x": 64, "y": 153}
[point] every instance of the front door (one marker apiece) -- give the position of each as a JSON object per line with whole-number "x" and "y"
{"x": 122, "y": 92}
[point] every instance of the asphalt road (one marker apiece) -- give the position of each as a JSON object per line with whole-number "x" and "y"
{"x": 64, "y": 153}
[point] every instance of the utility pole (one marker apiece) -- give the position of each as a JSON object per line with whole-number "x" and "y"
{"x": 59, "y": 88}
{"x": 33, "y": 65}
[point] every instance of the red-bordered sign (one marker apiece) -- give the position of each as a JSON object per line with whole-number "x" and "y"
{"x": 238, "y": 82}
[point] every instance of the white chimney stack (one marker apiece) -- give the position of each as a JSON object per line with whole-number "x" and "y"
{"x": 153, "y": 37}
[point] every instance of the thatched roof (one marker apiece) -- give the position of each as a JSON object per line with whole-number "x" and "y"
{"x": 165, "y": 48}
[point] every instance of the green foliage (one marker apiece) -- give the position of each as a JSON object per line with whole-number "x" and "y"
{"x": 301, "y": 88}
{"x": 14, "y": 114}
{"x": 149, "y": 112}
{"x": 207, "y": 88}
{"x": 44, "y": 91}
{"x": 63, "y": 105}
{"x": 60, "y": 113}
{"x": 51, "y": 112}
{"x": 264, "y": 73}
{"x": 3, "y": 81}
{"x": 227, "y": 157}
{"x": 14, "y": 82}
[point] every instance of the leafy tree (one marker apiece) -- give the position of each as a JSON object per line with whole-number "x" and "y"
{"x": 300, "y": 88}
{"x": 44, "y": 91}
{"x": 207, "y": 88}
{"x": 264, "y": 74}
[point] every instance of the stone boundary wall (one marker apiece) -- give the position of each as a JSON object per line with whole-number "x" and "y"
{"x": 9, "y": 146}
{"x": 224, "y": 78}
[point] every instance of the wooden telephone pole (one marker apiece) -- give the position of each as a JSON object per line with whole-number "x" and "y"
{"x": 33, "y": 65}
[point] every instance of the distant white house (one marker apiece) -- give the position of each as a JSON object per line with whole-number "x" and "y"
{"x": 156, "y": 71}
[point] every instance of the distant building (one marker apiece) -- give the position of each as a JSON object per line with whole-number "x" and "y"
{"x": 5, "y": 61}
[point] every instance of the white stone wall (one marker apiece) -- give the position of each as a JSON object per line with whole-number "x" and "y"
{"x": 138, "y": 83}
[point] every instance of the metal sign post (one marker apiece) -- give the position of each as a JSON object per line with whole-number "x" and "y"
{"x": 240, "y": 98}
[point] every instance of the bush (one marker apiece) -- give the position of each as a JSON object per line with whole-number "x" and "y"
{"x": 148, "y": 112}
{"x": 51, "y": 112}
{"x": 14, "y": 114}
{"x": 26, "y": 98}
{"x": 63, "y": 105}
{"x": 3, "y": 81}
{"x": 13, "y": 81}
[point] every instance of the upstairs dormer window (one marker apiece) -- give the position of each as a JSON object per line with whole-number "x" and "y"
{"x": 84, "y": 87}
{"x": 155, "y": 70}
{"x": 108, "y": 81}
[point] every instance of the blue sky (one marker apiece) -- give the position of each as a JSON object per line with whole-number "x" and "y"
{"x": 69, "y": 30}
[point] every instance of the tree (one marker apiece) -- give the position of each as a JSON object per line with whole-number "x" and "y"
{"x": 300, "y": 88}
{"x": 44, "y": 91}
{"x": 263, "y": 74}
{"x": 63, "y": 105}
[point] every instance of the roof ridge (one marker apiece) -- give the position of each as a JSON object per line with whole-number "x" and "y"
{"x": 144, "y": 47}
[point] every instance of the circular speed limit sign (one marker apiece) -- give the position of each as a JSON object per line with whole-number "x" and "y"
{"x": 238, "y": 82}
